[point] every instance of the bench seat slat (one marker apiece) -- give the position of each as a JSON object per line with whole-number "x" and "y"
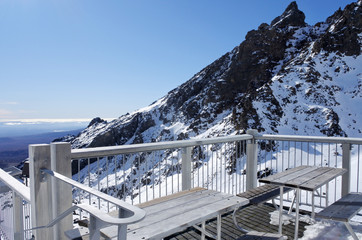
{"x": 262, "y": 193}
{"x": 343, "y": 209}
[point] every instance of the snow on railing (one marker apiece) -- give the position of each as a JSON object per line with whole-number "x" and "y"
{"x": 15, "y": 208}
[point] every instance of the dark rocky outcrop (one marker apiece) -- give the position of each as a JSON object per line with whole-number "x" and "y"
{"x": 342, "y": 34}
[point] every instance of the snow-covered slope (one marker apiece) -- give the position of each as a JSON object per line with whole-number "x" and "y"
{"x": 286, "y": 77}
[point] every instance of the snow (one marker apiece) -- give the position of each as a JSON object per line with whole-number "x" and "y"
{"x": 298, "y": 96}
{"x": 319, "y": 230}
{"x": 330, "y": 230}
{"x": 153, "y": 106}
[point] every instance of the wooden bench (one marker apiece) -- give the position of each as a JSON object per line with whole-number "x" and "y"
{"x": 253, "y": 235}
{"x": 259, "y": 195}
{"x": 343, "y": 210}
{"x": 262, "y": 193}
{"x": 175, "y": 213}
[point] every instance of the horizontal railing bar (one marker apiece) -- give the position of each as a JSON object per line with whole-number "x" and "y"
{"x": 309, "y": 139}
{"x": 148, "y": 147}
{"x": 14, "y": 184}
{"x": 138, "y": 213}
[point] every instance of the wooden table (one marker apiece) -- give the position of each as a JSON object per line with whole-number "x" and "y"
{"x": 174, "y": 213}
{"x": 308, "y": 178}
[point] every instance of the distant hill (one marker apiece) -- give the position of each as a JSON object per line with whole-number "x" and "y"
{"x": 13, "y": 150}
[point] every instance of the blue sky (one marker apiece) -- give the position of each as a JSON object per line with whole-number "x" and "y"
{"x": 87, "y": 58}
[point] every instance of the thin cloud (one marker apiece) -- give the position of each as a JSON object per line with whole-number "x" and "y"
{"x": 9, "y": 103}
{"x": 4, "y": 113}
{"x": 41, "y": 120}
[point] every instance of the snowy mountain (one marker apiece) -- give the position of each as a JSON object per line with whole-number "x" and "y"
{"x": 287, "y": 77}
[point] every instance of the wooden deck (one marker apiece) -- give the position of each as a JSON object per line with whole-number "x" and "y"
{"x": 251, "y": 218}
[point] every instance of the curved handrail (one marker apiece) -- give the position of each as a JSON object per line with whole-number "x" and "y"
{"x": 22, "y": 190}
{"x": 136, "y": 214}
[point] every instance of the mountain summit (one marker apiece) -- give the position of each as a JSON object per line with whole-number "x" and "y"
{"x": 292, "y": 16}
{"x": 287, "y": 77}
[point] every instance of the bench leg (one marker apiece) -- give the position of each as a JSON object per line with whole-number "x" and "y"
{"x": 94, "y": 228}
{"x": 203, "y": 230}
{"x": 218, "y": 237}
{"x": 313, "y": 210}
{"x": 348, "y": 226}
{"x": 275, "y": 205}
{"x": 293, "y": 201}
{"x": 281, "y": 210}
{"x": 297, "y": 194}
{"x": 236, "y": 222}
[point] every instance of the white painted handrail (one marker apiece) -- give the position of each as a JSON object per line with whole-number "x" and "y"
{"x": 297, "y": 138}
{"x": 137, "y": 214}
{"x": 22, "y": 190}
{"x": 148, "y": 147}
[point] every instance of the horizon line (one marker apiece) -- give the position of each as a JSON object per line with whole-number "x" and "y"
{"x": 30, "y": 120}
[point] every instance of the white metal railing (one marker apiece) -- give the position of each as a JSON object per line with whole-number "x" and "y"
{"x": 247, "y": 161}
{"x": 15, "y": 209}
{"x": 141, "y": 172}
{"x": 177, "y": 160}
{"x": 275, "y": 153}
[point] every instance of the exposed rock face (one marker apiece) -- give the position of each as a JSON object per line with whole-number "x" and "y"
{"x": 343, "y": 32}
{"x": 96, "y": 121}
{"x": 286, "y": 77}
{"x": 291, "y": 17}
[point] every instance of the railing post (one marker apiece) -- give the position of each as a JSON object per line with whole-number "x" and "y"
{"x": 252, "y": 160}
{"x": 61, "y": 192}
{"x": 40, "y": 190}
{"x": 346, "y": 164}
{"x": 186, "y": 168}
{"x": 18, "y": 217}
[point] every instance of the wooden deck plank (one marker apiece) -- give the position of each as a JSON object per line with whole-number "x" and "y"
{"x": 253, "y": 217}
{"x": 254, "y": 235}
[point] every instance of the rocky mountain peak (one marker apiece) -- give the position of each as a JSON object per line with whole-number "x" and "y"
{"x": 96, "y": 121}
{"x": 286, "y": 77}
{"x": 292, "y": 16}
{"x": 343, "y": 33}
